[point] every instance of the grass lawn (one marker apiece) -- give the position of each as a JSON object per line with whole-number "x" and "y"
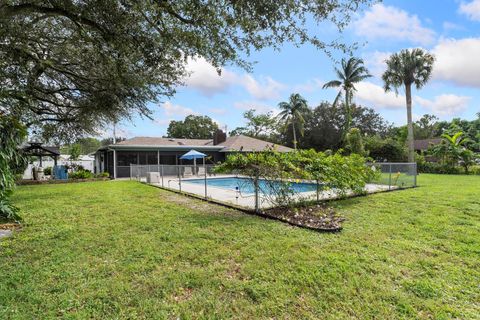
{"x": 120, "y": 249}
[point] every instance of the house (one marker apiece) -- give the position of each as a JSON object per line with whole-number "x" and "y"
{"x": 117, "y": 158}
{"x": 421, "y": 146}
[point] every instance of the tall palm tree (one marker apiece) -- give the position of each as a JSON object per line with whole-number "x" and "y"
{"x": 351, "y": 72}
{"x": 404, "y": 69}
{"x": 292, "y": 113}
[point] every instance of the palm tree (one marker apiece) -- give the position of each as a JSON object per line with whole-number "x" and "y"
{"x": 292, "y": 113}
{"x": 404, "y": 69}
{"x": 352, "y": 72}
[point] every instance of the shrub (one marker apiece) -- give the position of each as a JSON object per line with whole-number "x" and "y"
{"x": 381, "y": 149}
{"x": 102, "y": 175}
{"x": 80, "y": 174}
{"x": 47, "y": 171}
{"x": 277, "y": 170}
{"x": 433, "y": 167}
{"x": 12, "y": 134}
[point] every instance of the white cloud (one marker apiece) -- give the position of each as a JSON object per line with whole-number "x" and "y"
{"x": 458, "y": 61}
{"x": 176, "y": 110}
{"x": 375, "y": 62}
{"x": 471, "y": 9}
{"x": 445, "y": 104}
{"x": 309, "y": 86}
{"x": 219, "y": 111}
{"x": 448, "y": 26}
{"x": 258, "y": 106}
{"x": 376, "y": 96}
{"x": 205, "y": 78}
{"x": 162, "y": 122}
{"x": 265, "y": 89}
{"x": 388, "y": 22}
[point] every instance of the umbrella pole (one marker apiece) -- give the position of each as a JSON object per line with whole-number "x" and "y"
{"x": 195, "y": 166}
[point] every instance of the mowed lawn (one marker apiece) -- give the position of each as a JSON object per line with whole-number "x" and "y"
{"x": 120, "y": 249}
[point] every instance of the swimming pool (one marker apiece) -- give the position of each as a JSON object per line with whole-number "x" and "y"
{"x": 245, "y": 185}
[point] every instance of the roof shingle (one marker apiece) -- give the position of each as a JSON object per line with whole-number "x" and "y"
{"x": 232, "y": 144}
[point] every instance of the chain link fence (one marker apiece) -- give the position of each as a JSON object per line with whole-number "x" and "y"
{"x": 255, "y": 194}
{"x": 395, "y": 175}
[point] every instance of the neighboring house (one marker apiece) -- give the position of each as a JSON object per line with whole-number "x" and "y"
{"x": 167, "y": 151}
{"x": 422, "y": 146}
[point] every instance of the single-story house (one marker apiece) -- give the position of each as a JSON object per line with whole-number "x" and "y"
{"x": 425, "y": 144}
{"x": 117, "y": 158}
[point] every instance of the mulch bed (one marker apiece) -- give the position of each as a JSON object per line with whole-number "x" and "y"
{"x": 10, "y": 226}
{"x": 315, "y": 217}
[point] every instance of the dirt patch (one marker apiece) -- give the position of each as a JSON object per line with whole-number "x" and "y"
{"x": 316, "y": 217}
{"x": 10, "y": 226}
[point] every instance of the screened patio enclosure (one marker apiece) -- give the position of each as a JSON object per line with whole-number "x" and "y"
{"x": 104, "y": 160}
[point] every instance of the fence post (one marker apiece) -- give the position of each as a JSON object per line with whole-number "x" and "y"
{"x": 389, "y": 176}
{"x": 161, "y": 173}
{"x": 180, "y": 178}
{"x": 205, "y": 171}
{"x": 255, "y": 183}
{"x": 415, "y": 175}
{"x": 318, "y": 191}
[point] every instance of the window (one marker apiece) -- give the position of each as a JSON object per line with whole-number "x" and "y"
{"x": 168, "y": 159}
{"x": 148, "y": 157}
{"x": 126, "y": 158}
{"x": 152, "y": 158}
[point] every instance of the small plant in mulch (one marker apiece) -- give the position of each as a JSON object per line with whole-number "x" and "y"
{"x": 317, "y": 217}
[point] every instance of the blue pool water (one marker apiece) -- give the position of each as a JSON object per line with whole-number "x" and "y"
{"x": 245, "y": 185}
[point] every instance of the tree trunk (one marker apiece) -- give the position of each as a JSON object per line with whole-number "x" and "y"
{"x": 410, "y": 138}
{"x": 294, "y": 135}
{"x": 348, "y": 113}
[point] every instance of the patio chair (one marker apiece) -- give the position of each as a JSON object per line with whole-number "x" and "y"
{"x": 201, "y": 171}
{"x": 187, "y": 172}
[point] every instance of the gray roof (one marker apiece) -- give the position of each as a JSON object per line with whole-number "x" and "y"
{"x": 232, "y": 144}
{"x": 249, "y": 144}
{"x": 157, "y": 141}
{"x": 425, "y": 144}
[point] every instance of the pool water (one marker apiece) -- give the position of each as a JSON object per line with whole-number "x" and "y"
{"x": 245, "y": 185}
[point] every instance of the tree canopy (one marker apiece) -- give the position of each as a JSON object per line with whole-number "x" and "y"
{"x": 260, "y": 125}
{"x": 77, "y": 65}
{"x": 193, "y": 127}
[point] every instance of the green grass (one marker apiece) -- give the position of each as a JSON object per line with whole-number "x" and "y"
{"x": 126, "y": 250}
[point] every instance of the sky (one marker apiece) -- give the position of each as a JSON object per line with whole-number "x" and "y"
{"x": 447, "y": 28}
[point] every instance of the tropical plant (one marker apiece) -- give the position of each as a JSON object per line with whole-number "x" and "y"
{"x": 452, "y": 150}
{"x": 12, "y": 134}
{"x": 292, "y": 114}
{"x": 351, "y": 72}
{"x": 354, "y": 142}
{"x": 404, "y": 69}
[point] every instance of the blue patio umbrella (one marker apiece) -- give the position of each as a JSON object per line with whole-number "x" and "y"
{"x": 194, "y": 154}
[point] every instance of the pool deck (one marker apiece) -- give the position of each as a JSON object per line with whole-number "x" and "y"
{"x": 235, "y": 198}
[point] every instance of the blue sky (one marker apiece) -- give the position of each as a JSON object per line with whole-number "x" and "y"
{"x": 447, "y": 28}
